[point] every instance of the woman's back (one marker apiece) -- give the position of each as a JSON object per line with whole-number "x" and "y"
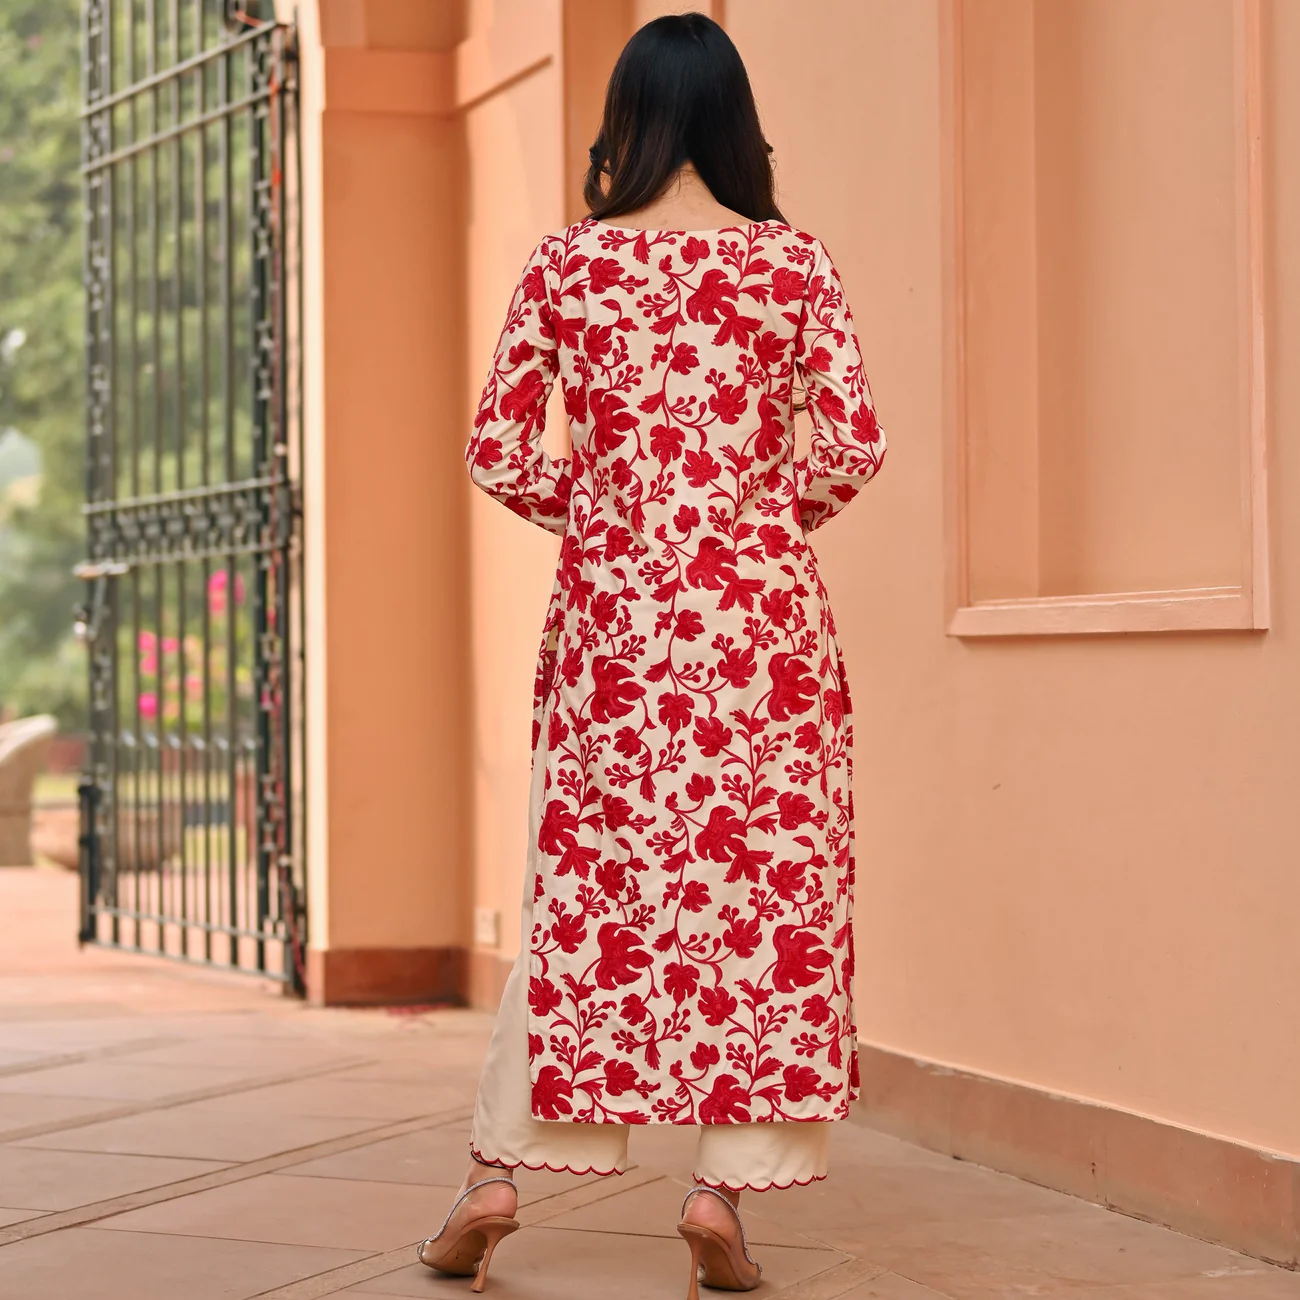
{"x": 677, "y": 353}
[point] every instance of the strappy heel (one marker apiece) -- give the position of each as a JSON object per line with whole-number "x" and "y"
{"x": 470, "y": 1252}
{"x": 715, "y": 1261}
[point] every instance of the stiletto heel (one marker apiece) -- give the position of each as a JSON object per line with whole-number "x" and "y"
{"x": 493, "y": 1231}
{"x": 715, "y": 1261}
{"x": 470, "y": 1252}
{"x": 693, "y": 1282}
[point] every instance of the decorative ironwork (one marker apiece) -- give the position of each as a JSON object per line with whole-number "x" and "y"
{"x": 192, "y": 827}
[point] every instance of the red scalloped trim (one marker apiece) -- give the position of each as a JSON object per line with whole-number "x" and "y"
{"x": 549, "y": 1168}
{"x": 749, "y": 1187}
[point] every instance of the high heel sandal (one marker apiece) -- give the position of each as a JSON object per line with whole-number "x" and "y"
{"x": 471, "y": 1251}
{"x": 715, "y": 1261}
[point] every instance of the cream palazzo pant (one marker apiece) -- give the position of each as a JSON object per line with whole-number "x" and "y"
{"x": 738, "y": 1156}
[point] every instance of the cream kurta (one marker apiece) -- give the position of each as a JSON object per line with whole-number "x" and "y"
{"x": 691, "y": 955}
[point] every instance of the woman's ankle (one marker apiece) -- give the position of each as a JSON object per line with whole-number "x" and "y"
{"x": 478, "y": 1171}
{"x": 723, "y": 1190}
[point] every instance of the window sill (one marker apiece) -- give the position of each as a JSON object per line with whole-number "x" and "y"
{"x": 1202, "y": 609}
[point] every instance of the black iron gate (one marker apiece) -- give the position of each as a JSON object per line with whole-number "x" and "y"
{"x": 192, "y": 834}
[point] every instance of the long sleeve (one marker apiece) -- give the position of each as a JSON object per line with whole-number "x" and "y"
{"x": 504, "y": 454}
{"x": 848, "y": 445}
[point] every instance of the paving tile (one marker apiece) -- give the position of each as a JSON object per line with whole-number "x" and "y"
{"x": 412, "y": 1059}
{"x": 890, "y": 1286}
{"x": 84, "y": 1264}
{"x": 669, "y": 1148}
{"x": 60, "y": 1180}
{"x": 558, "y": 1264}
{"x": 8, "y": 1216}
{"x": 434, "y": 1157}
{"x": 461, "y": 1075}
{"x": 297, "y": 1212}
{"x": 874, "y": 1198}
{"x": 120, "y": 1080}
{"x": 54, "y": 1037}
{"x": 653, "y": 1209}
{"x": 19, "y": 1112}
{"x": 10, "y": 1057}
{"x": 329, "y": 1097}
{"x": 1033, "y": 1254}
{"x": 265, "y": 1056}
{"x": 857, "y": 1141}
{"x": 200, "y": 1134}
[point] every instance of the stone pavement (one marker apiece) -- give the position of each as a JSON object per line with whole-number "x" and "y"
{"x": 172, "y": 1134}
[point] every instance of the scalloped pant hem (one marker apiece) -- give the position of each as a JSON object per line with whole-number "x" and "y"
{"x": 761, "y": 1187}
{"x": 497, "y": 1163}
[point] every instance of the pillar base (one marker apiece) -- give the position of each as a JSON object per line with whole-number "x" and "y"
{"x": 370, "y": 977}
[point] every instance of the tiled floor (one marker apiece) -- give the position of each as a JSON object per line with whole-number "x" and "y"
{"x": 168, "y": 1134}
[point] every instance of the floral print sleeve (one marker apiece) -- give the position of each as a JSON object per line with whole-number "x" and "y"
{"x": 504, "y": 454}
{"x": 847, "y": 443}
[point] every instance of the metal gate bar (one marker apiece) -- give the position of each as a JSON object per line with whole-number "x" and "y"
{"x": 191, "y": 818}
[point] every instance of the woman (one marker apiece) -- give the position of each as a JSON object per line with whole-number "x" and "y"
{"x": 687, "y": 943}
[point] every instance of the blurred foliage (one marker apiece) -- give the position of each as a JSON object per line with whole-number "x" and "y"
{"x": 41, "y": 358}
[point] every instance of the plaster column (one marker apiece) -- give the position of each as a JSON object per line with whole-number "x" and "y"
{"x": 388, "y": 709}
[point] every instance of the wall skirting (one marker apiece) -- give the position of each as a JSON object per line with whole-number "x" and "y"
{"x": 343, "y": 977}
{"x": 385, "y": 976}
{"x": 1207, "y": 1186}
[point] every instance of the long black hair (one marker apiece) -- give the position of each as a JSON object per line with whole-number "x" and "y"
{"x": 679, "y": 93}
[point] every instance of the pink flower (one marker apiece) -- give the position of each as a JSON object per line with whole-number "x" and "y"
{"x": 148, "y": 703}
{"x": 217, "y": 586}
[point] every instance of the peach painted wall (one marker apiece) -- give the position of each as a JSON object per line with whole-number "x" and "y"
{"x": 1077, "y": 854}
{"x": 515, "y": 194}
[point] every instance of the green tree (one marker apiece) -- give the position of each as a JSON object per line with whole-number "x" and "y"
{"x": 41, "y": 357}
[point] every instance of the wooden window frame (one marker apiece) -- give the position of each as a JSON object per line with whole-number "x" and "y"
{"x": 1240, "y": 608}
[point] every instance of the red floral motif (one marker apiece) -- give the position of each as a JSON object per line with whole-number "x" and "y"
{"x": 617, "y": 689}
{"x": 622, "y": 956}
{"x": 800, "y": 959}
{"x": 724, "y": 835}
{"x": 620, "y": 1077}
{"x": 726, "y": 1103}
{"x": 543, "y": 996}
{"x": 793, "y": 688}
{"x": 552, "y": 1093}
{"x": 717, "y": 1006}
{"x": 691, "y": 955}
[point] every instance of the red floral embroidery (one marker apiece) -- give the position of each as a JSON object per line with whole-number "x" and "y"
{"x": 691, "y": 955}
